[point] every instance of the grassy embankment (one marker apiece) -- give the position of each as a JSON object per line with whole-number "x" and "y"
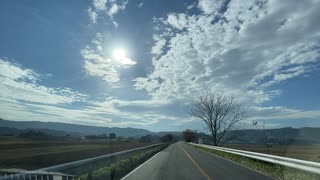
{"x": 273, "y": 170}
{"x": 118, "y": 169}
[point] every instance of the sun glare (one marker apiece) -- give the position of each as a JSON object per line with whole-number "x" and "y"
{"x": 119, "y": 54}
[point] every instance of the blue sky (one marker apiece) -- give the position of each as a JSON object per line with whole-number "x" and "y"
{"x": 58, "y": 60}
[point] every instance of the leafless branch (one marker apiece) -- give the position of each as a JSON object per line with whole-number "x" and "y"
{"x": 219, "y": 112}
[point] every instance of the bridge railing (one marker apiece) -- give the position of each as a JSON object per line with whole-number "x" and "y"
{"x": 308, "y": 166}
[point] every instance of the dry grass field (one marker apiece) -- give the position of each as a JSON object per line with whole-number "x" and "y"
{"x": 28, "y": 154}
{"x": 306, "y": 152}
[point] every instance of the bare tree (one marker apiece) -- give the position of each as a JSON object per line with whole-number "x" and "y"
{"x": 189, "y": 135}
{"x": 219, "y": 112}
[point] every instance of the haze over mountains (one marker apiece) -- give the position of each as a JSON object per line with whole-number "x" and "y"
{"x": 73, "y": 128}
{"x": 282, "y": 136}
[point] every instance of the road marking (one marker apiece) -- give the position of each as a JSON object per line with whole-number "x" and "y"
{"x": 139, "y": 167}
{"x": 196, "y": 164}
{"x": 233, "y": 162}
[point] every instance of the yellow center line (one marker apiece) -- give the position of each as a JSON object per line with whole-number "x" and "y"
{"x": 196, "y": 164}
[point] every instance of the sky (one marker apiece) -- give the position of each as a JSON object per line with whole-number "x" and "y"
{"x": 134, "y": 63}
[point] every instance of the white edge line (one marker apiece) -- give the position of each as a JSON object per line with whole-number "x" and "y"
{"x": 139, "y": 167}
{"x": 236, "y": 163}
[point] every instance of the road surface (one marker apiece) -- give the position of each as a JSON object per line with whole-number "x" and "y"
{"x": 182, "y": 161}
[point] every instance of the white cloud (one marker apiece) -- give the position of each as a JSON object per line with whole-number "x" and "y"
{"x": 239, "y": 48}
{"x": 148, "y": 114}
{"x": 92, "y": 15}
{"x": 116, "y": 25}
{"x": 116, "y": 8}
{"x": 104, "y": 7}
{"x": 140, "y": 5}
{"x": 178, "y": 21}
{"x": 157, "y": 49}
{"x": 242, "y": 48}
{"x": 280, "y": 113}
{"x": 99, "y": 5}
{"x": 19, "y": 83}
{"x": 42, "y": 112}
{"x": 13, "y": 71}
{"x": 190, "y": 6}
{"x": 113, "y": 10}
{"x": 98, "y": 63}
{"x": 209, "y": 6}
{"x": 23, "y": 98}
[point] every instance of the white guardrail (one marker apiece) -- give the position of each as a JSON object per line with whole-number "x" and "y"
{"x": 309, "y": 166}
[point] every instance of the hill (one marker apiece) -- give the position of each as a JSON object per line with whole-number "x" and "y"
{"x": 71, "y": 128}
{"x": 281, "y": 136}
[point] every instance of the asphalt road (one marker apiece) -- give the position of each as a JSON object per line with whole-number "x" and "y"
{"x": 181, "y": 161}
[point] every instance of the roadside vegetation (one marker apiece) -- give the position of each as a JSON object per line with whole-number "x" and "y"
{"x": 189, "y": 135}
{"x": 118, "y": 169}
{"x": 270, "y": 169}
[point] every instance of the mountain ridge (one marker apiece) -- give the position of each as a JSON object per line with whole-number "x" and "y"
{"x": 74, "y": 128}
{"x": 280, "y": 136}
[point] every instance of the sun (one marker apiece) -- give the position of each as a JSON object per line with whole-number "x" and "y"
{"x": 119, "y": 54}
{"x": 120, "y": 57}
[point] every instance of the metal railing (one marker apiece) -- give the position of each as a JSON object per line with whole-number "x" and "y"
{"x": 309, "y": 166}
{"x": 17, "y": 174}
{"x": 70, "y": 165}
{"x": 76, "y": 164}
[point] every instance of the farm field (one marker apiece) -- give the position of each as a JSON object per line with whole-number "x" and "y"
{"x": 304, "y": 152}
{"x": 28, "y": 154}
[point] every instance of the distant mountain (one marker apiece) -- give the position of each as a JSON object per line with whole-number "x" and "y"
{"x": 281, "y": 136}
{"x": 72, "y": 128}
{"x": 10, "y": 131}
